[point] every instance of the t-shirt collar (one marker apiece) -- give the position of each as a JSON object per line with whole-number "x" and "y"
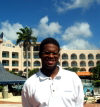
{"x": 44, "y": 77}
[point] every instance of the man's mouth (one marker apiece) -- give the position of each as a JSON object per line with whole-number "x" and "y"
{"x": 50, "y": 62}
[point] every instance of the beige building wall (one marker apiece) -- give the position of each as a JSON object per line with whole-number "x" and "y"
{"x": 68, "y": 58}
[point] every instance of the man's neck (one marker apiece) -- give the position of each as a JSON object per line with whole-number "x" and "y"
{"x": 49, "y": 72}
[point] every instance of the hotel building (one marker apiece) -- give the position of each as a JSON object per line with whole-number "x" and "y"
{"x": 13, "y": 58}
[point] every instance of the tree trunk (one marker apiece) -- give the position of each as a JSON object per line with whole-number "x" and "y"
{"x": 27, "y": 63}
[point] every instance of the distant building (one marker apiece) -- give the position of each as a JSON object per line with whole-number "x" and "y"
{"x": 13, "y": 58}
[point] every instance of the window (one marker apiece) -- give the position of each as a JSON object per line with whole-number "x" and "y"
{"x": 91, "y": 63}
{"x": 5, "y": 54}
{"x": 36, "y": 63}
{"x": 14, "y": 55}
{"x": 5, "y": 62}
{"x": 36, "y": 48}
{"x": 9, "y": 45}
{"x": 36, "y": 55}
{"x": 64, "y": 63}
{"x": 73, "y": 56}
{"x": 73, "y": 63}
{"x": 28, "y": 55}
{"x": 98, "y": 63}
{"x": 82, "y": 63}
{"x": 64, "y": 56}
{"x": 90, "y": 56}
{"x": 82, "y": 56}
{"x": 26, "y": 63}
{"x": 14, "y": 63}
{"x": 98, "y": 56}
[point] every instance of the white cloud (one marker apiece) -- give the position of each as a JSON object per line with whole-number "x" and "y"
{"x": 73, "y": 4}
{"x": 48, "y": 29}
{"x": 79, "y": 44}
{"x": 35, "y": 32}
{"x": 98, "y": 1}
{"x": 77, "y": 30}
{"x": 74, "y": 35}
{"x": 10, "y": 30}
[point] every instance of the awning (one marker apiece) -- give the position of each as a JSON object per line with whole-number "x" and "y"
{"x": 84, "y": 73}
{"x": 9, "y": 78}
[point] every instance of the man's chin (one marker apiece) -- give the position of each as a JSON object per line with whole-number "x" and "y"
{"x": 51, "y": 67}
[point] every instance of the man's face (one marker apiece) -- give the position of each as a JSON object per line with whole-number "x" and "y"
{"x": 49, "y": 56}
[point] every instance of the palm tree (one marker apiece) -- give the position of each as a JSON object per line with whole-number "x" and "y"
{"x": 27, "y": 40}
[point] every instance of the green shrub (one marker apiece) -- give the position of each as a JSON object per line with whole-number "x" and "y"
{"x": 96, "y": 83}
{"x": 1, "y": 87}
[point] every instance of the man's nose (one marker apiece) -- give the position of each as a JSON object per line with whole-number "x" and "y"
{"x": 51, "y": 55}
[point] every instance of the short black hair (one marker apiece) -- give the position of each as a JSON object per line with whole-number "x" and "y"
{"x": 47, "y": 41}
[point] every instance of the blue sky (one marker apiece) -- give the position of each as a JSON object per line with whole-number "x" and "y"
{"x": 74, "y": 23}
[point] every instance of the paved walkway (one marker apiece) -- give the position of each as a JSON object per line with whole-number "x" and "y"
{"x": 20, "y": 105}
{"x": 15, "y": 101}
{"x": 10, "y": 105}
{"x": 12, "y": 99}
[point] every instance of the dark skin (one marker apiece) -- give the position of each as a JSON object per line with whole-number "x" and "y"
{"x": 49, "y": 61}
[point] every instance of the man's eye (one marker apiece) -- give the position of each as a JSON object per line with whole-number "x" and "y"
{"x": 47, "y": 53}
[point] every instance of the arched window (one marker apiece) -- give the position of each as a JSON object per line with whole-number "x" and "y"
{"x": 64, "y": 64}
{"x": 98, "y": 63}
{"x": 26, "y": 63}
{"x": 73, "y": 63}
{"x": 90, "y": 56}
{"x": 64, "y": 56}
{"x": 91, "y": 63}
{"x": 36, "y": 63}
{"x": 98, "y": 56}
{"x": 82, "y": 56}
{"x": 82, "y": 63}
{"x": 73, "y": 56}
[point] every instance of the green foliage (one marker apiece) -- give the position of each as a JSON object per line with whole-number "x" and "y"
{"x": 96, "y": 83}
{"x": 1, "y": 87}
{"x": 95, "y": 72}
{"x": 25, "y": 36}
{"x": 27, "y": 40}
{"x": 96, "y": 75}
{"x": 31, "y": 72}
{"x": 74, "y": 69}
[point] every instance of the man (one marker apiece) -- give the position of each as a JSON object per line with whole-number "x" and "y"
{"x": 52, "y": 86}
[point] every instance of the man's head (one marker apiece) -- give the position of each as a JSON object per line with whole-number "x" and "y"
{"x": 49, "y": 53}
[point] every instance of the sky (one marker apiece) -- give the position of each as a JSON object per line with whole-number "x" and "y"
{"x": 74, "y": 23}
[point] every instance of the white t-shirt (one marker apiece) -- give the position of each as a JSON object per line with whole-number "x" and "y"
{"x": 65, "y": 90}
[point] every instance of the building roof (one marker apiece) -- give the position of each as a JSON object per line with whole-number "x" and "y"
{"x": 9, "y": 78}
{"x": 83, "y": 73}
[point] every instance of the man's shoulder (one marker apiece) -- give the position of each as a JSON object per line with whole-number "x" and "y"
{"x": 32, "y": 79}
{"x": 68, "y": 73}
